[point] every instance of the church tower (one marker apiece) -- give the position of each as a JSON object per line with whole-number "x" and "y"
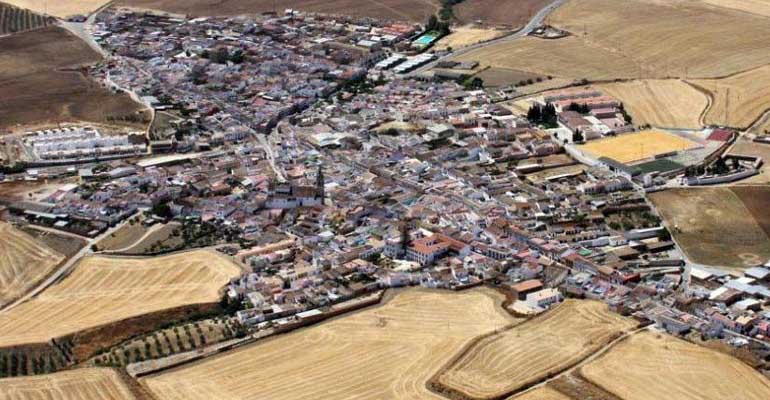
{"x": 319, "y": 183}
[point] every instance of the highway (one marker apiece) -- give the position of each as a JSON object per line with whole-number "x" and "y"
{"x": 536, "y": 21}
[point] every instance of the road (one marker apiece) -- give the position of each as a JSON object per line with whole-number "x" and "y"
{"x": 536, "y": 21}
{"x": 64, "y": 269}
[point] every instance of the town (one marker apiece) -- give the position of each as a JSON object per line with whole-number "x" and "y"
{"x": 313, "y": 152}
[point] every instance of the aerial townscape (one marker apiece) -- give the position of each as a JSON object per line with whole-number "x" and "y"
{"x": 385, "y": 199}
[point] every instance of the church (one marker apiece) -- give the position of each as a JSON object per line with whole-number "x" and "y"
{"x": 288, "y": 195}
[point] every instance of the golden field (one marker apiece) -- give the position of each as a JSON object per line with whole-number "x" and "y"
{"x": 102, "y": 290}
{"x": 611, "y": 41}
{"x": 385, "y": 352}
{"x": 543, "y": 393}
{"x": 501, "y": 364}
{"x": 738, "y": 100}
{"x": 760, "y": 7}
{"x": 77, "y": 384}
{"x": 466, "y": 36}
{"x": 661, "y": 103}
{"x": 60, "y": 8}
{"x": 650, "y": 366}
{"x": 24, "y": 261}
{"x": 630, "y": 147}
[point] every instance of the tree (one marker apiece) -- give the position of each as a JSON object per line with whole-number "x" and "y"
{"x": 432, "y": 23}
{"x": 578, "y": 136}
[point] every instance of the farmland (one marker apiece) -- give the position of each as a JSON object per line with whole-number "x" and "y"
{"x": 406, "y": 10}
{"x": 544, "y": 393}
{"x": 510, "y": 13}
{"x": 23, "y": 262}
{"x": 465, "y": 36}
{"x": 503, "y": 363}
{"x": 61, "y": 9}
{"x": 402, "y": 351}
{"x": 124, "y": 237}
{"x": 716, "y": 226}
{"x": 651, "y": 366}
{"x": 84, "y": 383}
{"x": 738, "y": 100}
{"x": 102, "y": 290}
{"x": 637, "y": 146}
{"x": 760, "y": 7}
{"x": 14, "y": 19}
{"x": 41, "y": 83}
{"x": 660, "y": 103}
{"x": 612, "y": 42}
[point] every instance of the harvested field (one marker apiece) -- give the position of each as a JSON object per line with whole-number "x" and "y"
{"x": 714, "y": 226}
{"x": 14, "y": 19}
{"x": 650, "y": 366}
{"x": 497, "y": 77}
{"x": 543, "y": 393}
{"x": 24, "y": 261}
{"x": 405, "y": 10}
{"x": 748, "y": 148}
{"x": 511, "y": 13}
{"x": 389, "y": 351}
{"x": 61, "y": 9}
{"x": 566, "y": 58}
{"x": 739, "y": 100}
{"x": 660, "y": 103}
{"x": 503, "y": 363}
{"x": 612, "y": 42}
{"x": 83, "y": 383}
{"x": 759, "y": 7}
{"x": 41, "y": 82}
{"x": 757, "y": 201}
{"x": 631, "y": 147}
{"x": 102, "y": 290}
{"x": 466, "y": 36}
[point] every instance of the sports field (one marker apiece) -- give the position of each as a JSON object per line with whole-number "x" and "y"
{"x": 631, "y": 147}
{"x": 661, "y": 103}
{"x": 385, "y": 352}
{"x": 503, "y": 363}
{"x": 77, "y": 384}
{"x": 102, "y": 290}
{"x": 23, "y": 262}
{"x": 652, "y": 366}
{"x": 610, "y": 41}
{"x": 722, "y": 226}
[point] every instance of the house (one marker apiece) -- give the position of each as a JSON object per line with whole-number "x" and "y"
{"x": 544, "y": 298}
{"x": 522, "y": 289}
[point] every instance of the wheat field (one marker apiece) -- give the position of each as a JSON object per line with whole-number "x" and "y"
{"x": 386, "y": 352}
{"x": 651, "y": 366}
{"x": 77, "y": 384}
{"x": 501, "y": 364}
{"x": 738, "y": 100}
{"x": 61, "y": 8}
{"x": 661, "y": 103}
{"x": 610, "y": 41}
{"x": 23, "y": 262}
{"x": 542, "y": 393}
{"x": 107, "y": 289}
